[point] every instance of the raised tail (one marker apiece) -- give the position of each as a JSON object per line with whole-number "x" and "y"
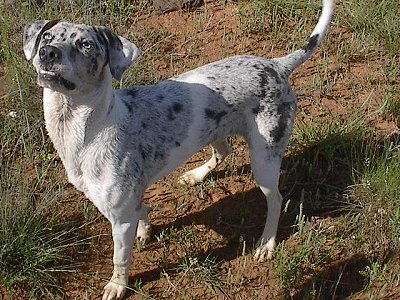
{"x": 295, "y": 59}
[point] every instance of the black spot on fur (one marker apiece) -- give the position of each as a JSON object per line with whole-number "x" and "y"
{"x": 227, "y": 67}
{"x": 143, "y": 154}
{"x": 211, "y": 77}
{"x": 160, "y": 97}
{"x": 312, "y": 43}
{"x": 129, "y": 106}
{"x": 260, "y": 108}
{"x": 146, "y": 151}
{"x": 283, "y": 114}
{"x": 272, "y": 73}
{"x": 110, "y": 108}
{"x": 177, "y": 144}
{"x": 144, "y": 125}
{"x": 257, "y": 67}
{"x": 173, "y": 110}
{"x": 211, "y": 114}
{"x": 131, "y": 93}
{"x": 263, "y": 84}
{"x": 220, "y": 90}
{"x": 73, "y": 35}
{"x": 68, "y": 84}
{"x": 94, "y": 65}
{"x": 177, "y": 107}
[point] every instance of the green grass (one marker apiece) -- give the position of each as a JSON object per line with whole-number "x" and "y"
{"x": 344, "y": 170}
{"x": 375, "y": 22}
{"x": 391, "y": 105}
{"x": 340, "y": 179}
{"x": 193, "y": 264}
{"x": 278, "y": 19}
{"x": 35, "y": 248}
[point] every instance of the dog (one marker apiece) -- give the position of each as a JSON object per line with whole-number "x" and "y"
{"x": 115, "y": 143}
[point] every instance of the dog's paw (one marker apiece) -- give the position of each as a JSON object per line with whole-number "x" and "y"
{"x": 264, "y": 251}
{"x": 189, "y": 178}
{"x": 143, "y": 232}
{"x": 262, "y": 254}
{"x": 114, "y": 290}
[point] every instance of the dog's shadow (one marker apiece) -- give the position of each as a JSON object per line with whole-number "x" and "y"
{"x": 316, "y": 177}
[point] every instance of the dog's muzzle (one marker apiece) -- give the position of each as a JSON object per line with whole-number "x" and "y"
{"x": 49, "y": 57}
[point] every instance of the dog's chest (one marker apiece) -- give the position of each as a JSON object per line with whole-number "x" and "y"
{"x": 77, "y": 149}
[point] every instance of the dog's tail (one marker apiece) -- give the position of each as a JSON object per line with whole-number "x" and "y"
{"x": 295, "y": 59}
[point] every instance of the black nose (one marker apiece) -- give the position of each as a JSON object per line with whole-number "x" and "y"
{"x": 50, "y": 54}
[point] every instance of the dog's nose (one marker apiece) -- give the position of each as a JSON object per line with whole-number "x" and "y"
{"x": 49, "y": 54}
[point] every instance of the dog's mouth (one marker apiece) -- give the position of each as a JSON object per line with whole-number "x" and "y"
{"x": 50, "y": 77}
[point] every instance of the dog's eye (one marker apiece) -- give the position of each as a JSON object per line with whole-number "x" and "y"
{"x": 47, "y": 36}
{"x": 87, "y": 45}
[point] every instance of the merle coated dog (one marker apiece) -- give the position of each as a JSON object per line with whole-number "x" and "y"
{"x": 115, "y": 143}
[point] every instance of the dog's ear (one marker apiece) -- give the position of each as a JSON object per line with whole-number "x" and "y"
{"x": 32, "y": 34}
{"x": 121, "y": 52}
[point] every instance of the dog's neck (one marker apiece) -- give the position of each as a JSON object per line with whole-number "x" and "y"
{"x": 72, "y": 121}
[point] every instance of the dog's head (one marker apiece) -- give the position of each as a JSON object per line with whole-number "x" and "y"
{"x": 70, "y": 57}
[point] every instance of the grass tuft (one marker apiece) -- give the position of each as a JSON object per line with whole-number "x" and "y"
{"x": 375, "y": 22}
{"x": 36, "y": 247}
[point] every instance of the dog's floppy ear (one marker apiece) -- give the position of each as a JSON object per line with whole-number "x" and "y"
{"x": 121, "y": 52}
{"x": 32, "y": 34}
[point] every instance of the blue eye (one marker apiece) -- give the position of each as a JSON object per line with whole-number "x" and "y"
{"x": 87, "y": 45}
{"x": 47, "y": 36}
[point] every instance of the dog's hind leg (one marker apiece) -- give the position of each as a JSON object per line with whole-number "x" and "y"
{"x": 266, "y": 165}
{"x": 220, "y": 150}
{"x": 143, "y": 227}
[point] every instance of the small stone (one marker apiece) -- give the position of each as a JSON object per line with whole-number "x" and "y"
{"x": 15, "y": 3}
{"x": 165, "y": 6}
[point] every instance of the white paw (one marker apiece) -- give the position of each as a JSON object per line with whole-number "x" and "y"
{"x": 189, "y": 178}
{"x": 262, "y": 254}
{"x": 264, "y": 251}
{"x": 114, "y": 290}
{"x": 143, "y": 231}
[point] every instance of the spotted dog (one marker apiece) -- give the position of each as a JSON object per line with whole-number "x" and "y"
{"x": 115, "y": 143}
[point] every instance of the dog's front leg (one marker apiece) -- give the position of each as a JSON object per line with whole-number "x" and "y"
{"x": 123, "y": 235}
